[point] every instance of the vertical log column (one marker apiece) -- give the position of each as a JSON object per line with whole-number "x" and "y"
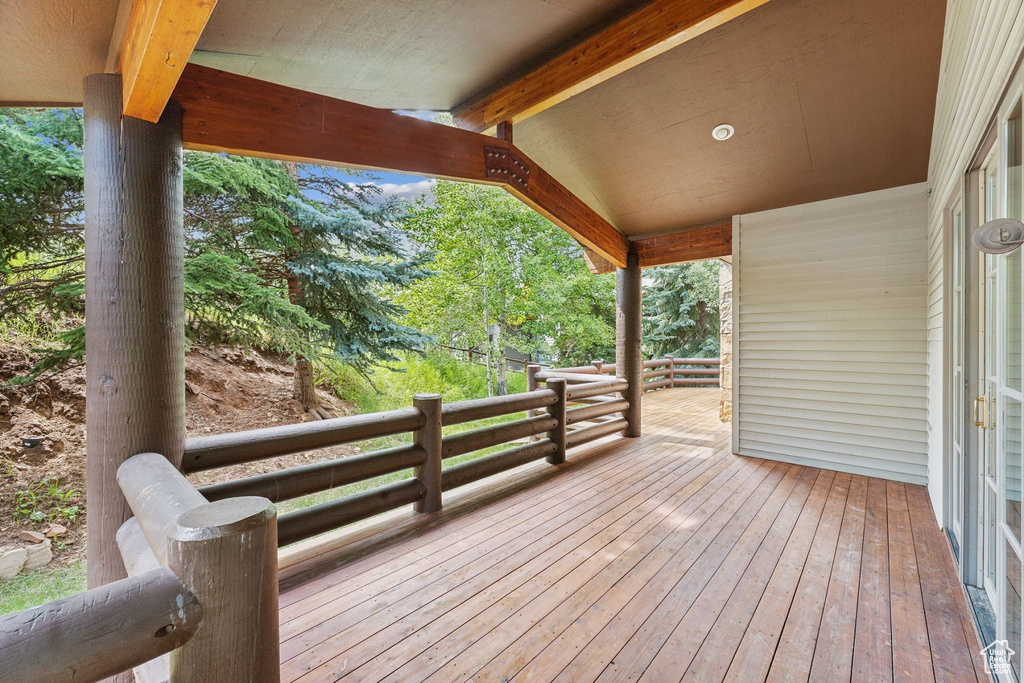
{"x": 629, "y": 363}
{"x": 134, "y": 297}
{"x": 557, "y": 411}
{"x": 429, "y": 438}
{"x": 226, "y": 554}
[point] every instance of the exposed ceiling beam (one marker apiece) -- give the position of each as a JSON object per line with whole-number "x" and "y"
{"x": 226, "y": 112}
{"x": 653, "y": 29}
{"x": 690, "y": 245}
{"x": 158, "y": 42}
{"x": 596, "y": 264}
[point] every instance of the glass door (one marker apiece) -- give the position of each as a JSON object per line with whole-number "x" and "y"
{"x": 998, "y": 411}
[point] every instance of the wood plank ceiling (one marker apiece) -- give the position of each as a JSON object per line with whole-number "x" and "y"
{"x": 828, "y": 97}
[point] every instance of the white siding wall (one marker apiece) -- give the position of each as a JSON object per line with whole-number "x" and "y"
{"x": 982, "y": 42}
{"x": 830, "y": 334}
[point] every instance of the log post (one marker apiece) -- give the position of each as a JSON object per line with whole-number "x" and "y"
{"x": 557, "y": 411}
{"x": 629, "y": 363}
{"x": 599, "y": 364}
{"x": 429, "y": 438}
{"x": 135, "y": 301}
{"x": 531, "y": 385}
{"x": 672, "y": 371}
{"x": 226, "y": 554}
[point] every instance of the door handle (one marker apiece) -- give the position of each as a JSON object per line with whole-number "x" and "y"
{"x": 983, "y": 402}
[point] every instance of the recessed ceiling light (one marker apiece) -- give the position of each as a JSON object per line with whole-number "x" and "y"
{"x": 723, "y": 132}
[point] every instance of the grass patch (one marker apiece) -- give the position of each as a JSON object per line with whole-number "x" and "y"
{"x": 42, "y": 585}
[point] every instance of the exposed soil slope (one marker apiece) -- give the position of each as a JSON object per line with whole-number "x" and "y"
{"x": 226, "y": 390}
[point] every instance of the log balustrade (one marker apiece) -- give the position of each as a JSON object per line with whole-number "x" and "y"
{"x": 207, "y": 557}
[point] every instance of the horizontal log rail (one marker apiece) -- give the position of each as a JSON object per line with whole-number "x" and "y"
{"x": 317, "y": 519}
{"x": 321, "y": 476}
{"x": 578, "y": 437}
{"x": 598, "y": 388}
{"x": 101, "y": 632}
{"x": 221, "y": 450}
{"x": 659, "y": 373}
{"x": 489, "y": 465}
{"x": 495, "y": 435}
{"x": 589, "y": 412}
{"x": 486, "y": 408}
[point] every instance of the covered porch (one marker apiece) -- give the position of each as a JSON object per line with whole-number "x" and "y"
{"x": 660, "y": 558}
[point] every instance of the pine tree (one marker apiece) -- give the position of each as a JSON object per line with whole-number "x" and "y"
{"x": 680, "y": 310}
{"x": 278, "y": 257}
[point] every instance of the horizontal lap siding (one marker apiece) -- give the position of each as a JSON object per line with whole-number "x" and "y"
{"x": 831, "y": 338}
{"x": 981, "y": 45}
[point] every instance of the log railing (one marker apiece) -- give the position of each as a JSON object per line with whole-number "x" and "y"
{"x": 209, "y": 555}
{"x": 659, "y": 373}
{"x": 190, "y": 563}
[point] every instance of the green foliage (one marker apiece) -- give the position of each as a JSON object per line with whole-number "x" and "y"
{"x": 278, "y": 257}
{"x": 43, "y": 501}
{"x": 680, "y": 310}
{"x": 387, "y": 389}
{"x": 498, "y": 261}
{"x": 42, "y": 585}
{"x": 41, "y": 212}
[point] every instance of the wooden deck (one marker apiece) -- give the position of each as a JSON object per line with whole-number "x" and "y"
{"x": 662, "y": 558}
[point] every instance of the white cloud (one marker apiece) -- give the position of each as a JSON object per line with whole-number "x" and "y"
{"x": 407, "y": 191}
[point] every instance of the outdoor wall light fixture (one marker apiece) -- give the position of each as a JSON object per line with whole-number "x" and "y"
{"x": 999, "y": 236}
{"x": 722, "y": 131}
{"x": 31, "y": 441}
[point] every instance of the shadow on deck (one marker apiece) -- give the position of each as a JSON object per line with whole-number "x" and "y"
{"x": 661, "y": 558}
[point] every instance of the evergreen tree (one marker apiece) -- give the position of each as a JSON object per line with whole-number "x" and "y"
{"x": 278, "y": 257}
{"x": 680, "y": 310}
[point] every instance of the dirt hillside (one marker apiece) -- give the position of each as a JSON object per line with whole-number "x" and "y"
{"x": 226, "y": 390}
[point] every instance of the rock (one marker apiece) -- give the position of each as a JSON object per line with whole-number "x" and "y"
{"x": 38, "y": 555}
{"x": 33, "y": 536}
{"x": 54, "y": 530}
{"x": 11, "y": 562}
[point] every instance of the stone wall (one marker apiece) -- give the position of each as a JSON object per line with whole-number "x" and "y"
{"x": 725, "y": 312}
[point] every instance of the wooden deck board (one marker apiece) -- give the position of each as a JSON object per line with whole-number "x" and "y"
{"x": 661, "y": 558}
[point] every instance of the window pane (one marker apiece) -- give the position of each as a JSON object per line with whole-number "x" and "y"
{"x": 1011, "y": 306}
{"x": 1012, "y": 445}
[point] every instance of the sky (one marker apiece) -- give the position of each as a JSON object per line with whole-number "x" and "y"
{"x": 408, "y": 187}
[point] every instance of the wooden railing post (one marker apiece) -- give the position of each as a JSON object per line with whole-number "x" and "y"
{"x": 557, "y": 411}
{"x": 531, "y": 385}
{"x": 671, "y": 371}
{"x": 226, "y": 554}
{"x": 599, "y": 364}
{"x": 429, "y": 438}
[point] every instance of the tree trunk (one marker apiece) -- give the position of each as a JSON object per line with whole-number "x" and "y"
{"x": 303, "y": 385}
{"x": 501, "y": 388}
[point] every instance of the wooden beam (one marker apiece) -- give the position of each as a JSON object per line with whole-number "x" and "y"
{"x": 225, "y": 112}
{"x": 158, "y": 42}
{"x": 690, "y": 245}
{"x": 595, "y": 263}
{"x": 653, "y": 29}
